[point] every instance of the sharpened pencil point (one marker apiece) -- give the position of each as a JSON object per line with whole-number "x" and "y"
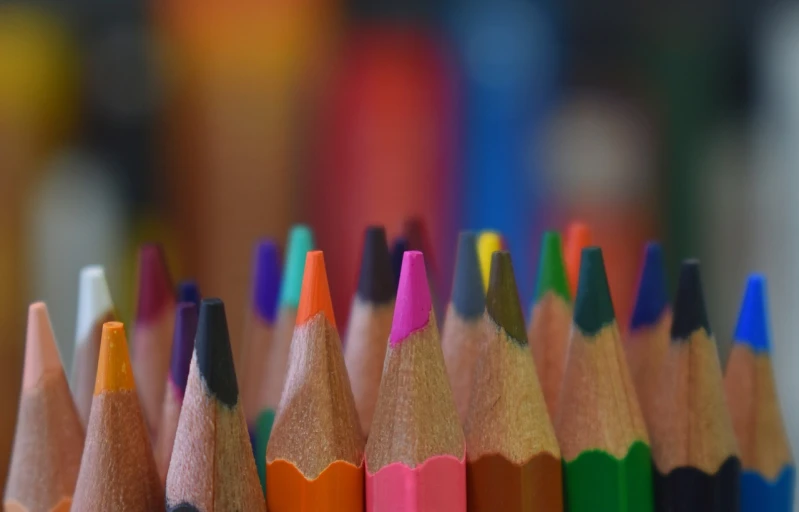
{"x": 468, "y": 294}
{"x": 552, "y": 269}
{"x": 214, "y": 356}
{"x": 183, "y": 344}
{"x": 689, "y": 304}
{"x": 114, "y": 372}
{"x": 155, "y": 284}
{"x": 578, "y": 237}
{"x": 502, "y": 300}
{"x": 653, "y": 297}
{"x": 41, "y": 352}
{"x": 376, "y": 282}
{"x": 488, "y": 242}
{"x": 94, "y": 300}
{"x": 266, "y": 280}
{"x": 413, "y": 306}
{"x": 753, "y": 326}
{"x": 593, "y": 307}
{"x": 315, "y": 297}
{"x": 300, "y": 241}
{"x": 188, "y": 291}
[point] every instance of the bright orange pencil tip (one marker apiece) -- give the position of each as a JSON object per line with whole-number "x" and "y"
{"x": 114, "y": 372}
{"x": 578, "y": 237}
{"x": 315, "y": 296}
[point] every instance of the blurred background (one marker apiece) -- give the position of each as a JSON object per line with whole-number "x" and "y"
{"x": 206, "y": 125}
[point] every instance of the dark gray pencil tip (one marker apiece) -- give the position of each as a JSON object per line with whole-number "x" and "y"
{"x": 689, "y": 304}
{"x": 376, "y": 282}
{"x": 214, "y": 356}
{"x": 468, "y": 296}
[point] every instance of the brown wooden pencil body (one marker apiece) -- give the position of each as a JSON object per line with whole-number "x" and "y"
{"x": 460, "y": 343}
{"x": 255, "y": 363}
{"x": 84, "y": 368}
{"x": 550, "y": 327}
{"x": 277, "y": 364}
{"x": 646, "y": 348}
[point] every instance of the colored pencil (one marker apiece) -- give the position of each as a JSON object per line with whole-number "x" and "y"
{"x": 578, "y": 237}
{"x": 300, "y": 241}
{"x": 212, "y": 466}
{"x": 488, "y": 242}
{"x": 513, "y": 459}
{"x": 603, "y": 439}
{"x": 188, "y": 291}
{"x": 768, "y": 471}
{"x": 398, "y": 249}
{"x": 95, "y": 307}
{"x": 370, "y": 324}
{"x": 550, "y": 320}
{"x": 315, "y": 453}
{"x": 258, "y": 332}
{"x": 117, "y": 471}
{"x": 152, "y": 332}
{"x": 693, "y": 443}
{"x": 179, "y": 363}
{"x": 647, "y": 340}
{"x": 415, "y": 232}
{"x": 49, "y": 438}
{"x": 463, "y": 324}
{"x": 415, "y": 454}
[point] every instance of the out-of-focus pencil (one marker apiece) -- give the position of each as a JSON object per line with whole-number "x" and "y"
{"x": 49, "y": 436}
{"x": 550, "y": 320}
{"x": 117, "y": 471}
{"x": 398, "y": 249}
{"x": 417, "y": 237}
{"x": 152, "y": 332}
{"x": 370, "y": 324}
{"x": 188, "y": 291}
{"x": 513, "y": 459}
{"x": 578, "y": 237}
{"x": 768, "y": 473}
{"x": 488, "y": 242}
{"x": 650, "y": 325}
{"x": 463, "y": 325}
{"x": 315, "y": 453}
{"x": 95, "y": 307}
{"x": 693, "y": 443}
{"x": 602, "y": 435}
{"x": 212, "y": 467}
{"x": 415, "y": 454}
{"x": 182, "y": 348}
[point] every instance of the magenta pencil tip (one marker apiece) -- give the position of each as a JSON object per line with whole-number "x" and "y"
{"x": 155, "y": 284}
{"x": 413, "y": 303}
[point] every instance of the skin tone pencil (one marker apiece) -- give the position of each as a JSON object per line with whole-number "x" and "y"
{"x": 693, "y": 444}
{"x": 463, "y": 323}
{"x": 182, "y": 349}
{"x": 578, "y": 237}
{"x": 152, "y": 332}
{"x": 768, "y": 471}
{"x": 95, "y": 307}
{"x": 513, "y": 459}
{"x": 607, "y": 463}
{"x": 117, "y": 471}
{"x": 370, "y": 323}
{"x": 415, "y": 454}
{"x": 49, "y": 435}
{"x": 188, "y": 291}
{"x": 647, "y": 340}
{"x": 212, "y": 467}
{"x": 550, "y": 320}
{"x": 258, "y": 332}
{"x": 315, "y": 454}
{"x": 488, "y": 242}
{"x": 300, "y": 241}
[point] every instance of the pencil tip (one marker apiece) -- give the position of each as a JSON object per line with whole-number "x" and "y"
{"x": 189, "y": 291}
{"x": 502, "y": 299}
{"x": 417, "y": 238}
{"x": 488, "y": 242}
{"x": 94, "y": 300}
{"x": 551, "y": 268}
{"x": 300, "y": 241}
{"x": 315, "y": 297}
{"x": 114, "y": 372}
{"x": 41, "y": 352}
{"x": 376, "y": 280}
{"x": 266, "y": 280}
{"x": 214, "y": 356}
{"x": 593, "y": 307}
{"x": 397, "y": 252}
{"x": 689, "y": 304}
{"x": 155, "y": 284}
{"x": 468, "y": 294}
{"x": 753, "y": 328}
{"x": 413, "y": 306}
{"x": 578, "y": 237}
{"x": 652, "y": 299}
{"x": 183, "y": 344}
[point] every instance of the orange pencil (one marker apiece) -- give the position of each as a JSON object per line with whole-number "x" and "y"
{"x": 49, "y": 438}
{"x": 315, "y": 455}
{"x": 578, "y": 237}
{"x": 117, "y": 471}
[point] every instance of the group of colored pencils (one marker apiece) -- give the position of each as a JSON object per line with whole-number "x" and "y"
{"x": 566, "y": 412}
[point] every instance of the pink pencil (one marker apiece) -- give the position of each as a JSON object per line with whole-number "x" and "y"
{"x": 415, "y": 455}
